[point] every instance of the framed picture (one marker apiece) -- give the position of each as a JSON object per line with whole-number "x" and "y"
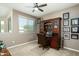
{"x": 75, "y": 21}
{"x": 66, "y": 36}
{"x": 38, "y": 21}
{"x": 66, "y": 29}
{"x": 66, "y": 22}
{"x": 66, "y": 16}
{"x": 75, "y": 29}
{"x": 74, "y": 36}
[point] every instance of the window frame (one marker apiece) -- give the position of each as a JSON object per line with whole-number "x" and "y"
{"x": 26, "y": 19}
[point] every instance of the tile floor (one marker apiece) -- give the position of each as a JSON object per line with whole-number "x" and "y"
{"x": 32, "y": 49}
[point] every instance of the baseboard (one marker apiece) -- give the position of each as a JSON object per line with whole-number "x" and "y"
{"x": 20, "y": 44}
{"x": 71, "y": 49}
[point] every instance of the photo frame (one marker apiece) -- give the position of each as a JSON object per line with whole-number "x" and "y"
{"x": 66, "y": 16}
{"x": 66, "y": 36}
{"x": 75, "y": 29}
{"x": 39, "y": 21}
{"x": 75, "y": 21}
{"x": 74, "y": 36}
{"x": 66, "y": 22}
{"x": 66, "y": 29}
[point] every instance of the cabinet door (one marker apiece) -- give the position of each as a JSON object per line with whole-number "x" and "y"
{"x": 56, "y": 26}
{"x": 54, "y": 42}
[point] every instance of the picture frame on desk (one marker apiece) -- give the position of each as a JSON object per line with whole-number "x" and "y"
{"x": 75, "y": 21}
{"x": 74, "y": 36}
{"x": 66, "y": 16}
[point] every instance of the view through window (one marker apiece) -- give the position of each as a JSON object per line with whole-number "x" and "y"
{"x": 1, "y": 25}
{"x": 25, "y": 25}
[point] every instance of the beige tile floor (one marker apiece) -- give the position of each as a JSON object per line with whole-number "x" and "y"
{"x": 32, "y": 49}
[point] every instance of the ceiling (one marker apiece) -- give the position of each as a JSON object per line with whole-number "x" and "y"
{"x": 4, "y": 11}
{"x": 23, "y": 7}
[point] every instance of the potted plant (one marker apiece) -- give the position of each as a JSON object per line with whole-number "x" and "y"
{"x": 1, "y": 45}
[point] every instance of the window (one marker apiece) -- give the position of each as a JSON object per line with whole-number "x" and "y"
{"x": 1, "y": 25}
{"x": 9, "y": 24}
{"x": 25, "y": 25}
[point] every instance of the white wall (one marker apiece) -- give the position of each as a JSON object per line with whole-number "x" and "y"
{"x": 74, "y": 13}
{"x": 15, "y": 37}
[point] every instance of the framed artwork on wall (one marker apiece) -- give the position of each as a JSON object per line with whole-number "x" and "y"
{"x": 75, "y": 29}
{"x": 66, "y": 16}
{"x": 38, "y": 21}
{"x": 66, "y": 29}
{"x": 66, "y": 36}
{"x": 74, "y": 36}
{"x": 66, "y": 22}
{"x": 75, "y": 21}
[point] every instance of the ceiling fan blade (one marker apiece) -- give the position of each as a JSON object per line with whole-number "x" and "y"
{"x": 40, "y": 9}
{"x": 34, "y": 4}
{"x": 42, "y": 5}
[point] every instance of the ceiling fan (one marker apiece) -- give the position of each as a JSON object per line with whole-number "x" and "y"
{"x": 38, "y": 7}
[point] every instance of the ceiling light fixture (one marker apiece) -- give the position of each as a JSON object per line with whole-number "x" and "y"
{"x": 36, "y": 8}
